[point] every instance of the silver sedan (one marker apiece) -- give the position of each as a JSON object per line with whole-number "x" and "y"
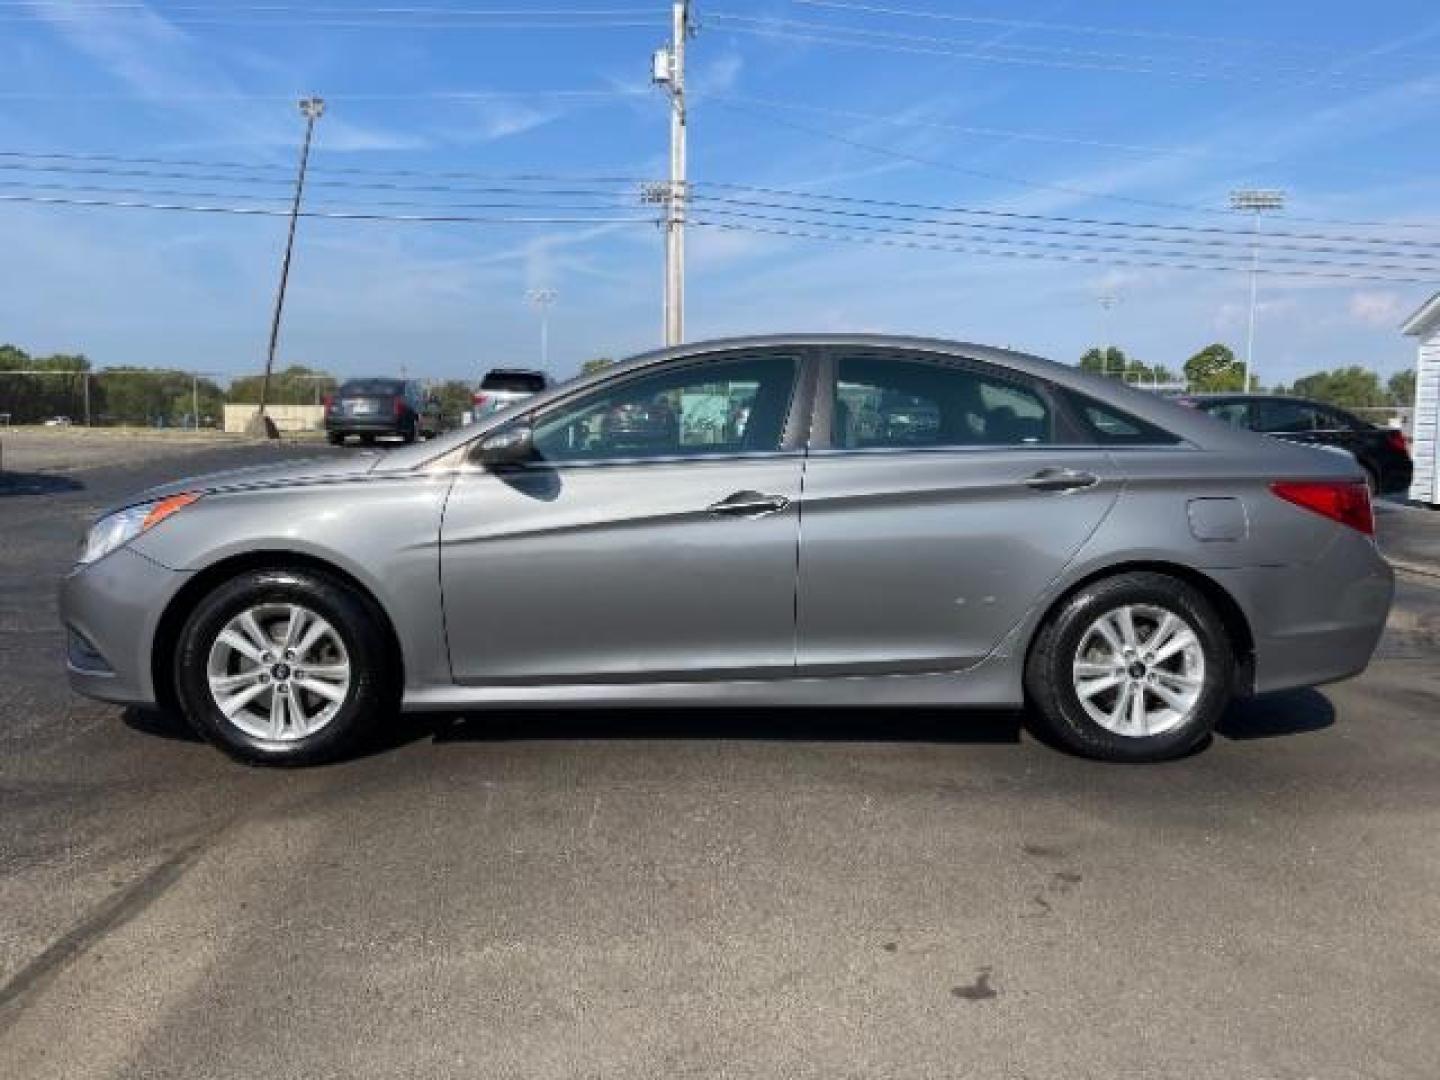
{"x": 801, "y": 520}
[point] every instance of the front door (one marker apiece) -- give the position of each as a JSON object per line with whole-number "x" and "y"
{"x": 653, "y": 539}
{"x": 944, "y": 504}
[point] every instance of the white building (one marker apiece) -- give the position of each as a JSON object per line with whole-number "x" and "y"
{"x": 1425, "y": 430}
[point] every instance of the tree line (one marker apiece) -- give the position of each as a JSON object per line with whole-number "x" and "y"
{"x": 1216, "y": 369}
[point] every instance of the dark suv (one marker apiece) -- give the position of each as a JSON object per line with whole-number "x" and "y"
{"x": 1381, "y": 452}
{"x": 371, "y": 407}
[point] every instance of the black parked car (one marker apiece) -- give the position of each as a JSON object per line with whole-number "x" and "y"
{"x": 1382, "y": 452}
{"x": 371, "y": 407}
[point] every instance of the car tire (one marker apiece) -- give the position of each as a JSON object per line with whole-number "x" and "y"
{"x": 1086, "y": 642}
{"x": 311, "y": 726}
{"x": 367, "y": 440}
{"x": 335, "y": 438}
{"x": 407, "y": 435}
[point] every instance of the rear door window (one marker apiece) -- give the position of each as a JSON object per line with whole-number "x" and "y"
{"x": 372, "y": 388}
{"x": 1289, "y": 417}
{"x": 1235, "y": 413}
{"x": 894, "y": 402}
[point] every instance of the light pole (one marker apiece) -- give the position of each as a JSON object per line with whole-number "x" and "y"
{"x": 1107, "y": 304}
{"x": 1254, "y": 201}
{"x": 543, "y": 300}
{"x": 312, "y": 108}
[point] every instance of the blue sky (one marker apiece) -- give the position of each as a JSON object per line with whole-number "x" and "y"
{"x": 1102, "y": 110}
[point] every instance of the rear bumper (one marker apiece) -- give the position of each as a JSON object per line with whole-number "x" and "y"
{"x": 111, "y": 610}
{"x": 366, "y": 425}
{"x": 1315, "y": 623}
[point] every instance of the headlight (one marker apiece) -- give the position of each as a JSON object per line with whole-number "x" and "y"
{"x": 118, "y": 529}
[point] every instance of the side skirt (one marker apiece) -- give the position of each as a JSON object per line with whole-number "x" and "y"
{"x": 993, "y": 683}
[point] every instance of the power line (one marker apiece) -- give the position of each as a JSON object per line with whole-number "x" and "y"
{"x": 1236, "y": 260}
{"x": 1077, "y": 60}
{"x": 337, "y": 215}
{"x": 1241, "y": 243}
{"x": 1069, "y": 28}
{"x": 1224, "y": 244}
{"x": 966, "y": 129}
{"x": 1097, "y": 260}
{"x": 1005, "y": 178}
{"x": 582, "y": 185}
{"x": 461, "y": 174}
{"x": 1213, "y": 230}
{"x": 1120, "y": 254}
{"x": 359, "y": 95}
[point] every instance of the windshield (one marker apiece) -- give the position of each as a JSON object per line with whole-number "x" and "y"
{"x": 515, "y": 382}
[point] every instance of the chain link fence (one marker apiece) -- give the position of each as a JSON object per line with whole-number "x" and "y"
{"x": 147, "y": 399}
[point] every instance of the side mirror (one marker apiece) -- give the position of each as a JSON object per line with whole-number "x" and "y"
{"x": 514, "y": 445}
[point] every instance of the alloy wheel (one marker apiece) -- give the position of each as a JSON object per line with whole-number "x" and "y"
{"x": 278, "y": 672}
{"x": 1139, "y": 670}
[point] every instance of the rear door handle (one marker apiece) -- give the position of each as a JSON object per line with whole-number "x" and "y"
{"x": 749, "y": 504}
{"x": 1061, "y": 480}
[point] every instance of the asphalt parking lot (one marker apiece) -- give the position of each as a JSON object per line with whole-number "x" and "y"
{"x": 670, "y": 894}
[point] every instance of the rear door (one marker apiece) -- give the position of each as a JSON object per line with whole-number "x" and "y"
{"x": 654, "y": 539}
{"x": 941, "y": 497}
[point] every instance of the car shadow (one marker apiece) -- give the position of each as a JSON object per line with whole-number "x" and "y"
{"x": 160, "y": 724}
{"x": 1271, "y": 716}
{"x": 20, "y": 483}
{"x": 859, "y": 725}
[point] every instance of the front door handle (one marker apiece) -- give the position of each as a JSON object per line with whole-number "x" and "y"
{"x": 1061, "y": 480}
{"x": 749, "y": 504}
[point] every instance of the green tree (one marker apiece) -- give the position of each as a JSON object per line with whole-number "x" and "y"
{"x": 600, "y": 363}
{"x": 1351, "y": 387}
{"x": 1215, "y": 369}
{"x": 1113, "y": 361}
{"x": 294, "y": 385}
{"x": 160, "y": 397}
{"x": 1401, "y": 387}
{"x": 29, "y": 399}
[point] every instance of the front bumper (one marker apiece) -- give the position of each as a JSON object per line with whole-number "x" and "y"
{"x": 111, "y": 610}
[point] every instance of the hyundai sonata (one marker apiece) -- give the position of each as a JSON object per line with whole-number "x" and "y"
{"x": 805, "y": 520}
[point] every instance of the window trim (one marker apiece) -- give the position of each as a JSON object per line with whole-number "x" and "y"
{"x": 792, "y": 431}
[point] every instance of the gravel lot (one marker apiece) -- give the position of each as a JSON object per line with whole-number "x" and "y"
{"x": 670, "y": 894}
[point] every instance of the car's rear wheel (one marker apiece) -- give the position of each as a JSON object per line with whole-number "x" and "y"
{"x": 1136, "y": 667}
{"x": 336, "y": 438}
{"x": 283, "y": 667}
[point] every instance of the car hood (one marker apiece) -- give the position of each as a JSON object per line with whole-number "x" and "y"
{"x": 277, "y": 474}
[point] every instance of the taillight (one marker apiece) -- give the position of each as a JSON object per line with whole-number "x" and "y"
{"x": 1345, "y": 501}
{"x": 480, "y": 400}
{"x": 1396, "y": 438}
{"x": 329, "y": 401}
{"x": 399, "y": 406}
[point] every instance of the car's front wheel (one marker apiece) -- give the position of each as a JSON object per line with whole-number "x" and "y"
{"x": 1136, "y": 667}
{"x": 283, "y": 667}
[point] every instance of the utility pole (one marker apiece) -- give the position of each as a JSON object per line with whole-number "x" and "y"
{"x": 1254, "y": 201}
{"x": 312, "y": 108}
{"x": 543, "y": 299}
{"x": 668, "y": 72}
